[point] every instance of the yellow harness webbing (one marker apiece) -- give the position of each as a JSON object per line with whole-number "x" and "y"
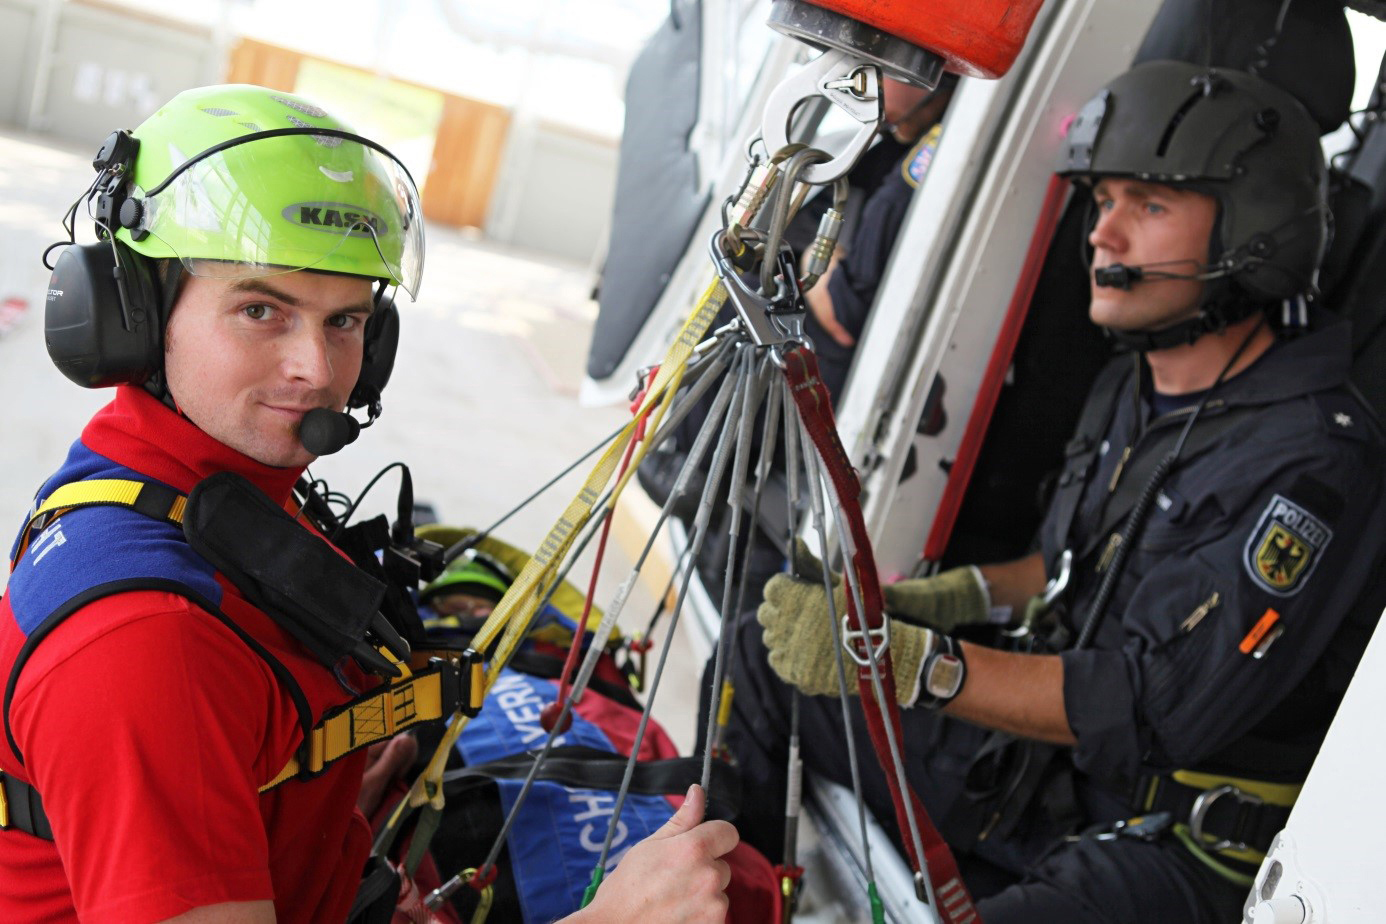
{"x": 428, "y": 693}
{"x": 152, "y": 500}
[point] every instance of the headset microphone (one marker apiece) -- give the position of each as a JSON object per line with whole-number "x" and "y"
{"x": 1117, "y": 276}
{"x": 1122, "y": 276}
{"x": 323, "y": 431}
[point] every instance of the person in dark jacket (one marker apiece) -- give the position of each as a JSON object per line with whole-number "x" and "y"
{"x": 1204, "y": 581}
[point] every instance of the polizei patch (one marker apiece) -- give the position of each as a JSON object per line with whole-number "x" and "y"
{"x": 1285, "y": 546}
{"x": 336, "y": 218}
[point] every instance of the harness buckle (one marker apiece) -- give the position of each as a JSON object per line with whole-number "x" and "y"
{"x": 1199, "y": 814}
{"x": 868, "y": 645}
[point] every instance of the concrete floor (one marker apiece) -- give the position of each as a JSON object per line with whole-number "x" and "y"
{"x": 481, "y": 403}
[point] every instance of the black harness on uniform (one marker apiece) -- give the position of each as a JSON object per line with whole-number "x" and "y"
{"x": 1225, "y": 814}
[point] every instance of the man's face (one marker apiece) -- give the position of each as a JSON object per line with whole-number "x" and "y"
{"x": 247, "y": 358}
{"x": 1142, "y": 223}
{"x": 904, "y": 107}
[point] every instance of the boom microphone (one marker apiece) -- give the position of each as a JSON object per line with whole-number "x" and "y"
{"x": 1123, "y": 276}
{"x": 323, "y": 431}
{"x": 1117, "y": 276}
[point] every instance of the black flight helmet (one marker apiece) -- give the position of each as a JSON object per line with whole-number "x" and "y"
{"x": 1233, "y": 136}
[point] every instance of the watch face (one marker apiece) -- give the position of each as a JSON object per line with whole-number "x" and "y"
{"x": 945, "y": 676}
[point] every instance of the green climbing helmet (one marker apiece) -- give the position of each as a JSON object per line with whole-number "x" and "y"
{"x": 239, "y": 181}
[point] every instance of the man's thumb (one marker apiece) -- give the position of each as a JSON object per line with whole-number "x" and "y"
{"x": 689, "y": 815}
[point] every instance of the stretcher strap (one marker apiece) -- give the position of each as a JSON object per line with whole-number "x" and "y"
{"x": 815, "y": 410}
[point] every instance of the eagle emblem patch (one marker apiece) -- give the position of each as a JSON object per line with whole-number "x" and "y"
{"x": 1285, "y": 546}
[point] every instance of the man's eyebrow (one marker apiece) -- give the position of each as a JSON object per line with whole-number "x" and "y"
{"x": 259, "y": 286}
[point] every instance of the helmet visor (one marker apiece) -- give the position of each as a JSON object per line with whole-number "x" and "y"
{"x": 286, "y": 202}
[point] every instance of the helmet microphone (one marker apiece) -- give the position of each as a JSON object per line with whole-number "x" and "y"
{"x": 324, "y": 431}
{"x": 1123, "y": 276}
{"x": 1117, "y": 276}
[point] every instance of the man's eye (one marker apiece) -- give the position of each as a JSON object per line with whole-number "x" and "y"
{"x": 257, "y": 312}
{"x": 344, "y": 321}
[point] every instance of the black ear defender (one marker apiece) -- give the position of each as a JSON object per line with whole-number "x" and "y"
{"x": 103, "y": 323}
{"x": 378, "y": 361}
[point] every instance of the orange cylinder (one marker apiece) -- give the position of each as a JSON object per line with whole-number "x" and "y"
{"x": 976, "y": 38}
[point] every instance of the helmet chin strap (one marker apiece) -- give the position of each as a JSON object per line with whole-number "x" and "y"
{"x": 1223, "y": 305}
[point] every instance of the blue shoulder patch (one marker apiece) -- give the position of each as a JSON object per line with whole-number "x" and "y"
{"x": 917, "y": 163}
{"x": 92, "y": 546}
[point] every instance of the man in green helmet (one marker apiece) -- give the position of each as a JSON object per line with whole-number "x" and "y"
{"x": 156, "y": 765}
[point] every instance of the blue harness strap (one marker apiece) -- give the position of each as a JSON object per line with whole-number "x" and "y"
{"x": 557, "y": 837}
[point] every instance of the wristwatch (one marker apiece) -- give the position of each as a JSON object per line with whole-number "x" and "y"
{"x": 944, "y": 673}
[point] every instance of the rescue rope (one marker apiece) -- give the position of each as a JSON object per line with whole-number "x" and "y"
{"x": 746, "y": 351}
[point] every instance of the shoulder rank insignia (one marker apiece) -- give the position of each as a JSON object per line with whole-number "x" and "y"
{"x": 1284, "y": 547}
{"x": 917, "y": 164}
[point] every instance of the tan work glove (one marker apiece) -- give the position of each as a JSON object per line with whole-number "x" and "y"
{"x": 800, "y": 641}
{"x": 944, "y": 602}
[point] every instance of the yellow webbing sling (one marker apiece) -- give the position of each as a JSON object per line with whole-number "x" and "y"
{"x": 510, "y": 620}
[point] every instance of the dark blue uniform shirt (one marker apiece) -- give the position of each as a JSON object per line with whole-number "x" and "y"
{"x": 1271, "y": 525}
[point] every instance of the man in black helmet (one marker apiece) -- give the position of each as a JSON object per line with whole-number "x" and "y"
{"x": 1202, "y": 585}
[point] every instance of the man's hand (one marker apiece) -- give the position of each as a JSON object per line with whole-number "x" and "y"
{"x": 674, "y": 875}
{"x": 800, "y": 641}
{"x": 385, "y": 760}
{"x": 957, "y": 597}
{"x": 820, "y": 303}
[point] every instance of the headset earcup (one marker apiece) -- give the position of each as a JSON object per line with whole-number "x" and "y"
{"x": 378, "y": 360}
{"x": 85, "y": 318}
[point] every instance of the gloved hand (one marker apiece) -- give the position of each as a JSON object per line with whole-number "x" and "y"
{"x": 944, "y": 602}
{"x": 800, "y": 641}
{"x": 957, "y": 597}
